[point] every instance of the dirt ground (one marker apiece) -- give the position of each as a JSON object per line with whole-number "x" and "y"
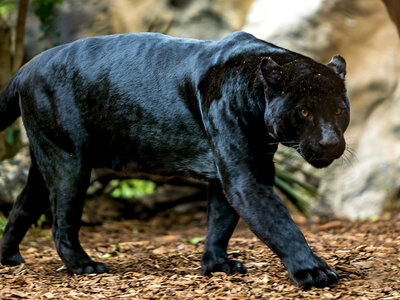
{"x": 160, "y": 259}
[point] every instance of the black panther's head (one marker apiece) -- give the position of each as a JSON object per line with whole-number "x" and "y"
{"x": 307, "y": 107}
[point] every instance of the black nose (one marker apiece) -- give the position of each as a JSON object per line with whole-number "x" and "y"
{"x": 328, "y": 143}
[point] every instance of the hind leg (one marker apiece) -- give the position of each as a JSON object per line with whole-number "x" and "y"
{"x": 29, "y": 206}
{"x": 67, "y": 180}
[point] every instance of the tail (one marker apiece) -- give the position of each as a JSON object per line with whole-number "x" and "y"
{"x": 9, "y": 104}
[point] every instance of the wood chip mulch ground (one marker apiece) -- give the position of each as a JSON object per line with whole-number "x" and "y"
{"x": 160, "y": 259}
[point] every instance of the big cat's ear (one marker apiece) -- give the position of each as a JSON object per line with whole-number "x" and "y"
{"x": 271, "y": 71}
{"x": 338, "y": 65}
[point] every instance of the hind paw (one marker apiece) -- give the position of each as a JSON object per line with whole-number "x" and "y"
{"x": 11, "y": 260}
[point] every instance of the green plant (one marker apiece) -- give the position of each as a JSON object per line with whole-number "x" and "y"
{"x": 40, "y": 222}
{"x": 196, "y": 240}
{"x": 12, "y": 135}
{"x": 38, "y": 226}
{"x": 129, "y": 188}
{"x": 300, "y": 193}
{"x": 44, "y": 8}
{"x": 3, "y": 223}
{"x": 45, "y": 11}
{"x": 6, "y": 5}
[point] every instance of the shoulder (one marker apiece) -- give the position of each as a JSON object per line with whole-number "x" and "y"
{"x": 240, "y": 43}
{"x": 240, "y": 36}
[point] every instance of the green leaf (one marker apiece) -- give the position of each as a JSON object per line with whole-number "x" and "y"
{"x": 6, "y": 6}
{"x": 116, "y": 193}
{"x": 44, "y": 8}
{"x": 298, "y": 200}
{"x": 12, "y": 135}
{"x": 290, "y": 178}
{"x": 3, "y": 223}
{"x": 298, "y": 191}
{"x": 9, "y": 136}
{"x": 131, "y": 188}
{"x": 40, "y": 221}
{"x": 196, "y": 240}
{"x": 126, "y": 190}
{"x": 106, "y": 255}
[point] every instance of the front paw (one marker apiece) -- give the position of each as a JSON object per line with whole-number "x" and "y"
{"x": 209, "y": 265}
{"x": 313, "y": 271}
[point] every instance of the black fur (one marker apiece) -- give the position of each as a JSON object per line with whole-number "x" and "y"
{"x": 210, "y": 110}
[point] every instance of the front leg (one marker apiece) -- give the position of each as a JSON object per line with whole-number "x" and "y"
{"x": 243, "y": 152}
{"x": 264, "y": 212}
{"x": 222, "y": 220}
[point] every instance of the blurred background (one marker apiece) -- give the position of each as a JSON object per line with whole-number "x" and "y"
{"x": 365, "y": 183}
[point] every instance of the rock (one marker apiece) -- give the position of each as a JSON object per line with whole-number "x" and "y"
{"x": 204, "y": 19}
{"x": 364, "y": 187}
{"x": 362, "y": 32}
{"x": 13, "y": 176}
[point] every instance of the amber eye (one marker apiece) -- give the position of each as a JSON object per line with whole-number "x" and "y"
{"x": 338, "y": 111}
{"x": 304, "y": 112}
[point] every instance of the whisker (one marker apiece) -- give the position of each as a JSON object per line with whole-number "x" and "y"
{"x": 346, "y": 161}
{"x": 351, "y": 152}
{"x": 348, "y": 157}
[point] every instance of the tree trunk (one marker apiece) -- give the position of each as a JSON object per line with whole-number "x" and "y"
{"x": 19, "y": 36}
{"x": 9, "y": 64}
{"x": 5, "y": 54}
{"x": 5, "y": 72}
